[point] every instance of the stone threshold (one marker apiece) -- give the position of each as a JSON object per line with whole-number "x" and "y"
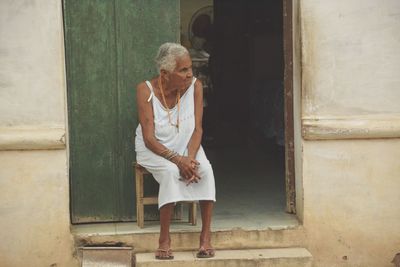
{"x": 153, "y": 227}
{"x": 186, "y": 237}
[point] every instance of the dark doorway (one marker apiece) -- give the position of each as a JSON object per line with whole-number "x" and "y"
{"x": 247, "y": 72}
{"x": 244, "y": 122}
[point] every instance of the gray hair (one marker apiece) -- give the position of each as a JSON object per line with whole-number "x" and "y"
{"x": 167, "y": 55}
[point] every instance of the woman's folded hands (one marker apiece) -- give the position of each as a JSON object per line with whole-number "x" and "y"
{"x": 188, "y": 168}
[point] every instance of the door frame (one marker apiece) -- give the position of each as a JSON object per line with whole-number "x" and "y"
{"x": 288, "y": 106}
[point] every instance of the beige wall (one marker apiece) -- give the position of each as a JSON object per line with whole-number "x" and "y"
{"x": 351, "y": 201}
{"x": 351, "y": 55}
{"x": 31, "y": 68}
{"x": 34, "y": 202}
{"x": 34, "y": 219}
{"x": 350, "y": 98}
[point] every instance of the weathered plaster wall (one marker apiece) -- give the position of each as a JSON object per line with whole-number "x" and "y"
{"x": 351, "y": 201}
{"x": 34, "y": 201}
{"x": 351, "y": 57}
{"x": 350, "y": 98}
{"x": 31, "y": 69}
{"x": 350, "y": 68}
{"x": 34, "y": 210}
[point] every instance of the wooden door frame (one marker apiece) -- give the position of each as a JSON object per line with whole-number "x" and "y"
{"x": 288, "y": 106}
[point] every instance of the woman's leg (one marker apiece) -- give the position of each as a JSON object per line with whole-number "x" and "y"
{"x": 206, "y": 207}
{"x": 164, "y": 241}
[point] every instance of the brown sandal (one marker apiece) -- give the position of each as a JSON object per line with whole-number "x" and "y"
{"x": 164, "y": 254}
{"x": 205, "y": 253}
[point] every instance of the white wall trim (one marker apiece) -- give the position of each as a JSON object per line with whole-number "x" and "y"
{"x": 30, "y": 138}
{"x": 352, "y": 127}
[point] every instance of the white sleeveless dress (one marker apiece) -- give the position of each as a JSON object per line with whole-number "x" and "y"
{"x": 164, "y": 171}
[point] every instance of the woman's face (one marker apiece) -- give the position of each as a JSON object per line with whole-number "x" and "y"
{"x": 182, "y": 76}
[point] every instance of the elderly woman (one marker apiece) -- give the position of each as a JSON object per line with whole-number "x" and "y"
{"x": 170, "y": 108}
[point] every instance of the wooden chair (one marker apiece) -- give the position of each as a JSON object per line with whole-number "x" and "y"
{"x": 142, "y": 200}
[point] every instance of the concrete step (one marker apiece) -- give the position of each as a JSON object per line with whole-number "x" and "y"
{"x": 189, "y": 240}
{"x": 106, "y": 256}
{"x": 279, "y": 257}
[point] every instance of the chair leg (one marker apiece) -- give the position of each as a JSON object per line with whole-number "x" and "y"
{"x": 140, "y": 205}
{"x": 178, "y": 211}
{"x": 193, "y": 213}
{"x": 139, "y": 198}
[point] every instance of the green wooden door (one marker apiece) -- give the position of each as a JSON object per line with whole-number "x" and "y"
{"x": 110, "y": 46}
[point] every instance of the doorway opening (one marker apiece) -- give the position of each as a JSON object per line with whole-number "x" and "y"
{"x": 237, "y": 49}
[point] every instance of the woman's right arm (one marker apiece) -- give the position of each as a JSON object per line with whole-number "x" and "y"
{"x": 146, "y": 120}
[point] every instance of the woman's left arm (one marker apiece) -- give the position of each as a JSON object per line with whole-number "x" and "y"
{"x": 195, "y": 140}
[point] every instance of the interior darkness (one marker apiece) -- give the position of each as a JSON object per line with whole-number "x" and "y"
{"x": 246, "y": 69}
{"x": 244, "y": 115}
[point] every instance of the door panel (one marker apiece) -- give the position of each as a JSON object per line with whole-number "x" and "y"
{"x": 110, "y": 46}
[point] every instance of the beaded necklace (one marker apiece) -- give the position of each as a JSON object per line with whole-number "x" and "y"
{"x": 178, "y": 100}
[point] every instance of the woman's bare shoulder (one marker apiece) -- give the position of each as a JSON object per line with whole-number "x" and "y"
{"x": 143, "y": 84}
{"x": 142, "y": 91}
{"x": 198, "y": 83}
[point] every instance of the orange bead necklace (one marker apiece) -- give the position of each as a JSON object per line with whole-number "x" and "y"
{"x": 178, "y": 100}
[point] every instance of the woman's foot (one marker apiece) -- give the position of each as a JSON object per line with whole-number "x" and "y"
{"x": 205, "y": 250}
{"x": 164, "y": 254}
{"x": 164, "y": 251}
